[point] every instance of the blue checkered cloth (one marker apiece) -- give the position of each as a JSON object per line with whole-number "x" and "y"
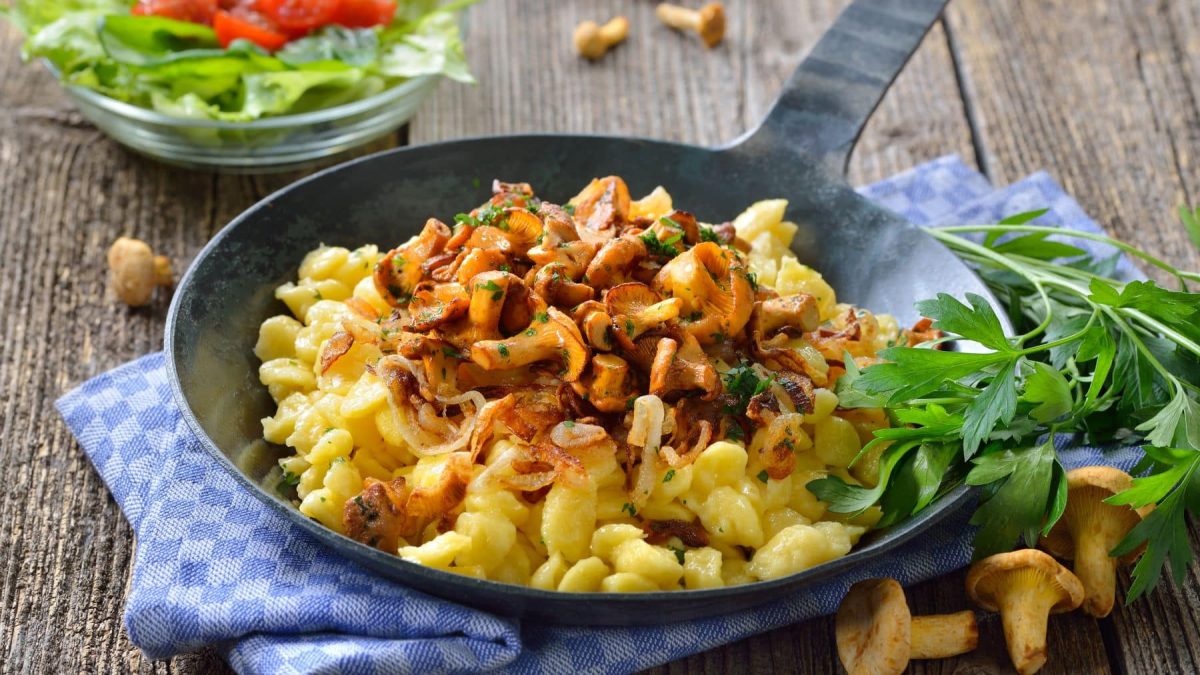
{"x": 215, "y": 566}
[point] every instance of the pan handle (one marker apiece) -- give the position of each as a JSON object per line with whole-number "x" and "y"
{"x": 828, "y": 100}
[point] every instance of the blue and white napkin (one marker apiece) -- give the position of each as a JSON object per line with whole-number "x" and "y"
{"x": 215, "y": 566}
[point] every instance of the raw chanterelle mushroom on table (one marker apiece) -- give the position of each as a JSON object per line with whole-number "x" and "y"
{"x": 1089, "y": 529}
{"x": 877, "y": 635}
{"x": 1026, "y": 587}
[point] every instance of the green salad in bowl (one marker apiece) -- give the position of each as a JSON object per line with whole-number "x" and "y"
{"x": 245, "y": 84}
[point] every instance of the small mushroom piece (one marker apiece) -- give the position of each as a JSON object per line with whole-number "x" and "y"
{"x": 610, "y": 389}
{"x": 134, "y": 271}
{"x": 514, "y": 231}
{"x": 877, "y": 635}
{"x": 681, "y": 367}
{"x": 794, "y": 314}
{"x": 600, "y": 208}
{"x": 556, "y": 288}
{"x": 595, "y": 324}
{"x": 635, "y": 310}
{"x": 1025, "y": 586}
{"x": 503, "y": 190}
{"x": 436, "y": 304}
{"x": 685, "y": 223}
{"x": 613, "y": 263}
{"x": 550, "y": 336}
{"x": 1089, "y": 529}
{"x": 593, "y": 40}
{"x": 708, "y": 21}
{"x": 574, "y": 256}
{"x": 398, "y": 273}
{"x": 713, "y": 284}
{"x": 495, "y": 296}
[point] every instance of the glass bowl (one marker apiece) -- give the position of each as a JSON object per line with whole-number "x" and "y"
{"x": 266, "y": 145}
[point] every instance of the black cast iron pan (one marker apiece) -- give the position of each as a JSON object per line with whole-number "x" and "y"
{"x": 871, "y": 256}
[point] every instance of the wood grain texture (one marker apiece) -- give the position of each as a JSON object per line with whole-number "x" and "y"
{"x": 1102, "y": 94}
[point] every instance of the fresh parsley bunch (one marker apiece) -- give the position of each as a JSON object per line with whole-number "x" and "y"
{"x": 1113, "y": 362}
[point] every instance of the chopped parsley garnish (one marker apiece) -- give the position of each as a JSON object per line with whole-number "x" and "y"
{"x": 630, "y": 509}
{"x": 505, "y": 268}
{"x": 679, "y": 553}
{"x": 503, "y": 349}
{"x": 629, "y": 327}
{"x": 752, "y": 277}
{"x": 734, "y": 432}
{"x": 451, "y": 353}
{"x": 668, "y": 476}
{"x": 763, "y": 476}
{"x": 288, "y": 480}
{"x": 542, "y": 317}
{"x": 484, "y": 216}
{"x": 568, "y": 423}
{"x": 569, "y": 208}
{"x": 665, "y": 249}
{"x": 530, "y": 332}
{"x": 494, "y": 287}
{"x": 709, "y": 234}
{"x": 743, "y": 384}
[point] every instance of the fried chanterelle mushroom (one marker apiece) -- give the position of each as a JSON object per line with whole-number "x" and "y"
{"x": 604, "y": 394}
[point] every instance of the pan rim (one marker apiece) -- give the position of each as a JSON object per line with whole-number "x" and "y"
{"x": 404, "y": 570}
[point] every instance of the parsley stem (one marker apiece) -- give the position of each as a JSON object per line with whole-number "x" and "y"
{"x": 1181, "y": 275}
{"x": 1181, "y": 340}
{"x": 1045, "y": 346}
{"x": 952, "y": 242}
{"x": 1141, "y": 346}
{"x": 938, "y": 401}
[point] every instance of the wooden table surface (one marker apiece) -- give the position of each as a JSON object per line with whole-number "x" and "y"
{"x": 1102, "y": 94}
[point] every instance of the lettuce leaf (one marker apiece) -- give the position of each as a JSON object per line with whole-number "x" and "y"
{"x": 179, "y": 69}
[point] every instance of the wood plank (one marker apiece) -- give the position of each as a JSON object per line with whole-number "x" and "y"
{"x": 662, "y": 84}
{"x": 1103, "y": 95}
{"x": 64, "y": 330}
{"x": 65, "y": 193}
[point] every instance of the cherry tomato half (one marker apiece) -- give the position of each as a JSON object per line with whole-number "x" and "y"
{"x": 247, "y": 25}
{"x": 364, "y": 13}
{"x": 299, "y": 16}
{"x": 195, "y": 11}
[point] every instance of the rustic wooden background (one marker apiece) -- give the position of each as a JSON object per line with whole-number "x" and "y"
{"x": 1102, "y": 94}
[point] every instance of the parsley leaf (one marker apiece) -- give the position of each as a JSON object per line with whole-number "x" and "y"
{"x": 912, "y": 372}
{"x": 977, "y": 322}
{"x": 1048, "y": 388}
{"x": 743, "y": 384}
{"x": 1165, "y": 530}
{"x": 662, "y": 249}
{"x": 1017, "y": 506}
{"x": 996, "y": 403}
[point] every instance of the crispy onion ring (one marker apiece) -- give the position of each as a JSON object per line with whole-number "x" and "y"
{"x": 406, "y": 419}
{"x": 646, "y": 433}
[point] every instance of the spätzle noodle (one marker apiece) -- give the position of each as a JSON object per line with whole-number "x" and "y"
{"x": 445, "y": 403}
